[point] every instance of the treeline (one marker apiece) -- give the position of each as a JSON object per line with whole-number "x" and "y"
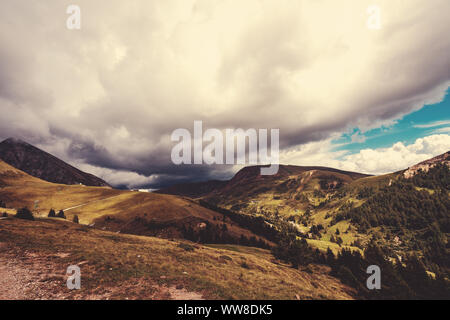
{"x": 295, "y": 251}
{"x": 257, "y": 225}
{"x": 401, "y": 205}
{"x": 420, "y": 215}
{"x": 216, "y": 234}
{"x": 437, "y": 177}
{"x": 405, "y": 279}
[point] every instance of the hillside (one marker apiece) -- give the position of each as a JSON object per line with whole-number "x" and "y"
{"x": 427, "y": 164}
{"x": 43, "y": 165}
{"x": 291, "y": 191}
{"x": 193, "y": 190}
{"x": 122, "y": 211}
{"x": 116, "y": 266}
{"x": 315, "y": 219}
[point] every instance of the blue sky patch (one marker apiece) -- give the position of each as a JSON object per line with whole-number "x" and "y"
{"x": 431, "y": 119}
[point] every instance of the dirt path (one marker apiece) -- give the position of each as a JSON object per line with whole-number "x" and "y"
{"x": 32, "y": 276}
{"x": 86, "y": 203}
{"x": 11, "y": 283}
{"x": 29, "y": 276}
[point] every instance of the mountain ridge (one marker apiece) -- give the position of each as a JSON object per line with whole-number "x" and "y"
{"x": 427, "y": 164}
{"x": 43, "y": 165}
{"x": 250, "y": 174}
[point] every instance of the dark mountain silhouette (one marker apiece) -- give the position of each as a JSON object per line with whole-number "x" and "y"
{"x": 194, "y": 189}
{"x": 43, "y": 165}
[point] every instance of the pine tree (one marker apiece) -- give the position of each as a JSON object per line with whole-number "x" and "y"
{"x": 61, "y": 214}
{"x": 25, "y": 214}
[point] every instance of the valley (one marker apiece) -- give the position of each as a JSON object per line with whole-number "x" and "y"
{"x": 304, "y": 233}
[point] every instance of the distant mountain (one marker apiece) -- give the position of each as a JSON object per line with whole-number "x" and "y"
{"x": 292, "y": 189}
{"x": 330, "y": 178}
{"x": 195, "y": 189}
{"x": 249, "y": 177}
{"x": 43, "y": 165}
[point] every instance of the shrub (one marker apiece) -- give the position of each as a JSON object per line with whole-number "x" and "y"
{"x": 297, "y": 252}
{"x": 61, "y": 214}
{"x": 25, "y": 214}
{"x": 346, "y": 275}
{"x": 75, "y": 219}
{"x": 52, "y": 213}
{"x": 186, "y": 247}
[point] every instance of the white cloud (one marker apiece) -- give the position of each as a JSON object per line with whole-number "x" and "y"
{"x": 358, "y": 138}
{"x": 399, "y": 156}
{"x": 128, "y": 179}
{"x": 442, "y": 130}
{"x": 118, "y": 87}
{"x": 433, "y": 124}
{"x": 373, "y": 161}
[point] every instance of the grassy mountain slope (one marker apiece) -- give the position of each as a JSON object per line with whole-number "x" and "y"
{"x": 117, "y": 210}
{"x": 110, "y": 262}
{"x": 291, "y": 191}
{"x": 194, "y": 190}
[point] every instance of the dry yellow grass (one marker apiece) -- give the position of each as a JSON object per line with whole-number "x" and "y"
{"x": 227, "y": 272}
{"x": 94, "y": 204}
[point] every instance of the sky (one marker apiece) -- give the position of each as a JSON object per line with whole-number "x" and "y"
{"x": 107, "y": 97}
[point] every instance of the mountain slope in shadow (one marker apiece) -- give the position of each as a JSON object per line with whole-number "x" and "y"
{"x": 43, "y": 165}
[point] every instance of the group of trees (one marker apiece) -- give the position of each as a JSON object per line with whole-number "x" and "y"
{"x": 405, "y": 279}
{"x": 365, "y": 192}
{"x": 219, "y": 234}
{"x": 295, "y": 251}
{"x": 407, "y": 210}
{"x": 336, "y": 239}
{"x": 25, "y": 214}
{"x": 437, "y": 177}
{"x": 257, "y": 225}
{"x": 421, "y": 217}
{"x": 401, "y": 205}
{"x": 52, "y": 214}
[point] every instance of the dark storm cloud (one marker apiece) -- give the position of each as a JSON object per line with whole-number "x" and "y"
{"x": 107, "y": 97}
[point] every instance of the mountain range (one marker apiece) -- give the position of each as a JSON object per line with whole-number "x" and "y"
{"x": 310, "y": 216}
